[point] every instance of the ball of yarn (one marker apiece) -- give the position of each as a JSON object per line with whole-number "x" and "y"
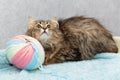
{"x": 25, "y": 52}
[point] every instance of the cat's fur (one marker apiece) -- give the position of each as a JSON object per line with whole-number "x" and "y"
{"x": 72, "y": 39}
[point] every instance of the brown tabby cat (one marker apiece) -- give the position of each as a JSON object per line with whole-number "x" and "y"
{"x": 72, "y": 39}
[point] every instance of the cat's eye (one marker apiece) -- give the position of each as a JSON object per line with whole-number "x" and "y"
{"x": 48, "y": 26}
{"x": 38, "y": 26}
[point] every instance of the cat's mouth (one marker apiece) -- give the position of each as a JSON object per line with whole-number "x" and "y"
{"x": 44, "y": 32}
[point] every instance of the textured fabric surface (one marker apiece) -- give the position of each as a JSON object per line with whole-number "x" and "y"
{"x": 14, "y": 14}
{"x": 105, "y": 66}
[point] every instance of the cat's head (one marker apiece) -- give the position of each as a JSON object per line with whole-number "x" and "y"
{"x": 43, "y": 30}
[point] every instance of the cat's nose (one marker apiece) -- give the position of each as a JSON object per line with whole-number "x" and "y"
{"x": 44, "y": 31}
{"x": 44, "y": 28}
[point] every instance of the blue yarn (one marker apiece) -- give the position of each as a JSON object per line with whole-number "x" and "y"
{"x": 13, "y": 42}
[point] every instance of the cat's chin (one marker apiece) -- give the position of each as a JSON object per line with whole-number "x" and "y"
{"x": 44, "y": 36}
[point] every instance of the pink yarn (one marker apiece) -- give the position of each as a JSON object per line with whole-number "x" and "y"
{"x": 23, "y": 56}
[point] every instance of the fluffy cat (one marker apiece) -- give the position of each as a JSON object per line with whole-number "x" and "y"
{"x": 72, "y": 39}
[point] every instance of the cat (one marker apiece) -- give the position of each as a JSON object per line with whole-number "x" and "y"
{"x": 72, "y": 39}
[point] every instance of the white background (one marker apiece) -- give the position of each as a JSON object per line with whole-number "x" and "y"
{"x": 14, "y": 14}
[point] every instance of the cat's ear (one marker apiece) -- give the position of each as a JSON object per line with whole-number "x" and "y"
{"x": 55, "y": 20}
{"x": 31, "y": 22}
